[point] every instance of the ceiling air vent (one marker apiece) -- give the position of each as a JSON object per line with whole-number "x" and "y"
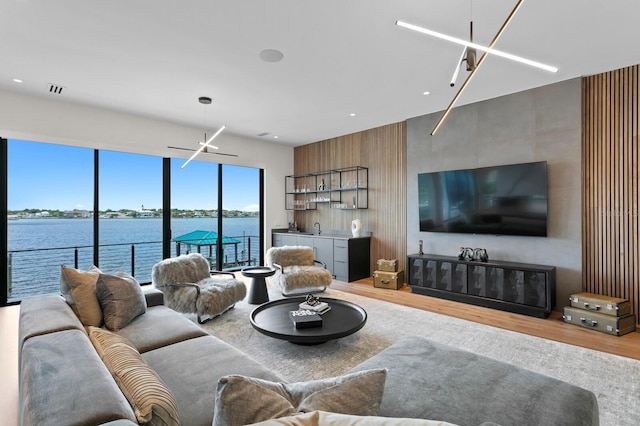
{"x": 55, "y": 88}
{"x": 263, "y": 134}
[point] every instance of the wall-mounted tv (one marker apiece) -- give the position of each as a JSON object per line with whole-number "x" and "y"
{"x": 499, "y": 200}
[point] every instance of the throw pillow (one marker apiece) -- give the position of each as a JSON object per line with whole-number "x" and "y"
{"x": 121, "y": 299}
{"x": 151, "y": 400}
{"x": 243, "y": 400}
{"x": 319, "y": 418}
{"x": 79, "y": 290}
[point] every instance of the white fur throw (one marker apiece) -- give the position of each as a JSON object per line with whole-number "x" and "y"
{"x": 217, "y": 292}
{"x": 299, "y": 274}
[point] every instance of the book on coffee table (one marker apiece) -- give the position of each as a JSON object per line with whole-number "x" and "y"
{"x": 304, "y": 318}
{"x": 320, "y": 307}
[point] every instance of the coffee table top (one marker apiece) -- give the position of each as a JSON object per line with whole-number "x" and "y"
{"x": 272, "y": 319}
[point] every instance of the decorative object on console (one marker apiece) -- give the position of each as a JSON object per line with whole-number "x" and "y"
{"x": 420, "y": 247}
{"x": 481, "y": 255}
{"x": 465, "y": 253}
{"x": 356, "y": 228}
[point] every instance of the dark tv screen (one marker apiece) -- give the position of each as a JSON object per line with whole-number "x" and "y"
{"x": 499, "y": 200}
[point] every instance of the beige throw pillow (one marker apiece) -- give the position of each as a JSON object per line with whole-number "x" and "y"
{"x": 243, "y": 400}
{"x": 79, "y": 290}
{"x": 121, "y": 299}
{"x": 151, "y": 400}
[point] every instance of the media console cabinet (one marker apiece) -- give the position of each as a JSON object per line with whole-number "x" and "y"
{"x": 515, "y": 287}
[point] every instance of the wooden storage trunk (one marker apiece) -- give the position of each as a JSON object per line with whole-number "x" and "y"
{"x": 391, "y": 280}
{"x": 601, "y": 304}
{"x": 388, "y": 265}
{"x": 609, "y": 324}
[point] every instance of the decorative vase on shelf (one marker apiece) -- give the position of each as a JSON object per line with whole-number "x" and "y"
{"x": 356, "y": 228}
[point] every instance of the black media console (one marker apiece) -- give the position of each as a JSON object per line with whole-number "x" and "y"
{"x": 515, "y": 287}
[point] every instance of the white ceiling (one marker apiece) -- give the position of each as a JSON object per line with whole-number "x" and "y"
{"x": 156, "y": 57}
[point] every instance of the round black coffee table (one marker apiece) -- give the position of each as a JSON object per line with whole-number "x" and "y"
{"x": 272, "y": 319}
{"x": 258, "y": 290}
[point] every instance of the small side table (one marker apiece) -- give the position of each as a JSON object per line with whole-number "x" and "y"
{"x": 258, "y": 290}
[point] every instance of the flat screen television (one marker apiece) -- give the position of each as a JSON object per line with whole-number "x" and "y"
{"x": 499, "y": 200}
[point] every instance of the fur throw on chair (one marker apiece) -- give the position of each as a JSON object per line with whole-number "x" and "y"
{"x": 300, "y": 273}
{"x": 189, "y": 287}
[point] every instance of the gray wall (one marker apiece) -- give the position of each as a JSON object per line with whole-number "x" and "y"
{"x": 542, "y": 124}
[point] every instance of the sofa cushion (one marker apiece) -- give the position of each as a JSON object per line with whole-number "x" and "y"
{"x": 429, "y": 380}
{"x": 159, "y": 326}
{"x": 242, "y": 400}
{"x": 46, "y": 314}
{"x": 192, "y": 368}
{"x": 64, "y": 382}
{"x": 152, "y": 402}
{"x": 121, "y": 299}
{"x": 79, "y": 290}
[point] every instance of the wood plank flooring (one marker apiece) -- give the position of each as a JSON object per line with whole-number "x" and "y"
{"x": 552, "y": 328}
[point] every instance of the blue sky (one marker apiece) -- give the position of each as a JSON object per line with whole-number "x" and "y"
{"x": 57, "y": 177}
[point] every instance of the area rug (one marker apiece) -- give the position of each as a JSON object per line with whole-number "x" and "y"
{"x": 613, "y": 379}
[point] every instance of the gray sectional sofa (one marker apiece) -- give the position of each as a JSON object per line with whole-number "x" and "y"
{"x": 64, "y": 381}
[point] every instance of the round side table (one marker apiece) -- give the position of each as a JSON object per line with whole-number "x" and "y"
{"x": 258, "y": 290}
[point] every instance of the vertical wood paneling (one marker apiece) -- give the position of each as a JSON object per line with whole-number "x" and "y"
{"x": 383, "y": 151}
{"x": 611, "y": 209}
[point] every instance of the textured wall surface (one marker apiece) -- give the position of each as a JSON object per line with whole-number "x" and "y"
{"x": 542, "y": 124}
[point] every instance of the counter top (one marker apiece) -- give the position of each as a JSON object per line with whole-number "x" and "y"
{"x": 324, "y": 234}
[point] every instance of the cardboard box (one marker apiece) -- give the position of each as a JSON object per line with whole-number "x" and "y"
{"x": 390, "y": 280}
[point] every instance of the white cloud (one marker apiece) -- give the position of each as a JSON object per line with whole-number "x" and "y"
{"x": 251, "y": 208}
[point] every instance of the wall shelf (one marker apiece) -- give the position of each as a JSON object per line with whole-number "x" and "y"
{"x": 343, "y": 189}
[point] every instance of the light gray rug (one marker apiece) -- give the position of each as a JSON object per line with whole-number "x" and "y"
{"x": 613, "y": 379}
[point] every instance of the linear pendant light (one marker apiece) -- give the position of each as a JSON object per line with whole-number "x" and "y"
{"x": 488, "y": 49}
{"x": 477, "y": 46}
{"x": 204, "y": 145}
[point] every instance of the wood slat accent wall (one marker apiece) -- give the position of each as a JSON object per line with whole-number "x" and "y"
{"x": 611, "y": 205}
{"x": 383, "y": 151}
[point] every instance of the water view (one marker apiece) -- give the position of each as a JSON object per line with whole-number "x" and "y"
{"x": 37, "y": 247}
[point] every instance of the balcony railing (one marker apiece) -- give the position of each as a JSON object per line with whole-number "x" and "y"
{"x": 37, "y": 271}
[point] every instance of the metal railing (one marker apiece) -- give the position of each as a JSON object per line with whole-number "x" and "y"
{"x": 37, "y": 271}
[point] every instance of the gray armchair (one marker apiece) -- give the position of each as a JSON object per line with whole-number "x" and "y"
{"x": 190, "y": 287}
{"x": 297, "y": 270}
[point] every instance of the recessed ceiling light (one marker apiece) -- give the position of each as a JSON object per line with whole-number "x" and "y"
{"x": 17, "y": 80}
{"x": 426, "y": 93}
{"x": 271, "y": 55}
{"x": 275, "y": 137}
{"x": 353, "y": 114}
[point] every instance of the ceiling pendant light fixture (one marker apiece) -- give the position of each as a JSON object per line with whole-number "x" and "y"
{"x": 204, "y": 146}
{"x": 469, "y": 51}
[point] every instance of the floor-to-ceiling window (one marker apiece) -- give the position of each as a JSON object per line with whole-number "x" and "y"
{"x": 49, "y": 215}
{"x": 194, "y": 208}
{"x": 80, "y": 206}
{"x": 130, "y": 213}
{"x": 241, "y": 218}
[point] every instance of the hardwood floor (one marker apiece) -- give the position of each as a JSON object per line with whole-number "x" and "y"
{"x": 552, "y": 328}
